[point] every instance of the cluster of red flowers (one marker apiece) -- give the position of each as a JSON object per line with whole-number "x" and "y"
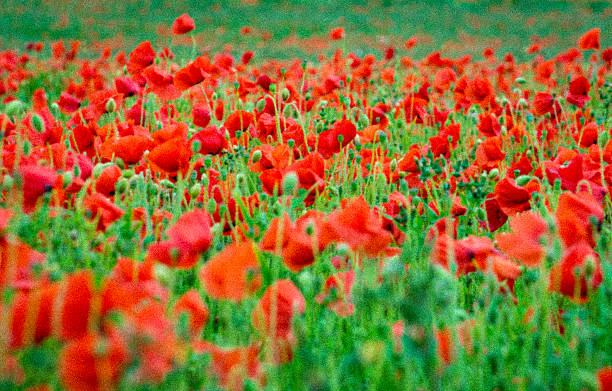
{"x": 301, "y": 131}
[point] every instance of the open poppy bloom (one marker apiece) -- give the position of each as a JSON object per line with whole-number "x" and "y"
{"x": 232, "y": 274}
{"x": 232, "y": 366}
{"x": 590, "y": 40}
{"x": 578, "y": 216}
{"x": 294, "y": 244}
{"x": 336, "y": 293}
{"x": 577, "y": 274}
{"x": 275, "y": 310}
{"x": 183, "y": 24}
{"x": 524, "y": 243}
{"x": 358, "y": 226}
{"x": 192, "y": 304}
{"x": 189, "y": 237}
{"x": 578, "y": 93}
{"x": 140, "y": 58}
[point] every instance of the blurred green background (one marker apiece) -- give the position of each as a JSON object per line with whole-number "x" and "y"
{"x": 300, "y": 27}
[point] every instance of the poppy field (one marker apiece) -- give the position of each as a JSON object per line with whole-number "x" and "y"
{"x": 173, "y": 217}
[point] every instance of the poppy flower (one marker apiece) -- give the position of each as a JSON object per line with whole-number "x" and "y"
{"x": 238, "y": 120}
{"x": 295, "y": 245}
{"x": 130, "y": 148}
{"x": 161, "y": 83}
{"x": 191, "y": 303}
{"x": 127, "y": 86}
{"x": 544, "y": 103}
{"x": 336, "y": 293}
{"x": 275, "y": 310}
{"x": 578, "y": 93}
{"x": 233, "y": 365}
{"x": 524, "y": 243}
{"x": 200, "y": 115}
{"x": 590, "y": 40}
{"x": 337, "y": 33}
{"x": 512, "y": 198}
{"x": 604, "y": 379}
{"x": 496, "y": 218}
{"x": 358, "y": 226}
{"x": 578, "y": 216}
{"x": 189, "y": 237}
{"x": 93, "y": 362}
{"x": 140, "y": 58}
{"x": 68, "y": 103}
{"x": 329, "y": 140}
{"x": 183, "y": 24}
{"x": 191, "y": 75}
{"x": 37, "y": 180}
{"x": 578, "y": 273}
{"x": 212, "y": 140}
{"x": 480, "y": 91}
{"x": 170, "y": 157}
{"x": 232, "y": 274}
{"x": 105, "y": 184}
{"x": 100, "y": 207}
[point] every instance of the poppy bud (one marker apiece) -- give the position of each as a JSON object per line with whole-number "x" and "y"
{"x": 67, "y": 178}
{"x": 393, "y": 164}
{"x": 120, "y": 162}
{"x": 207, "y": 162}
{"x": 291, "y": 143}
{"x": 256, "y": 156}
{"x": 38, "y": 123}
{"x": 364, "y": 122}
{"x": 272, "y": 88}
{"x": 211, "y": 206}
{"x": 54, "y": 108}
{"x": 195, "y": 190}
{"x": 523, "y": 180}
{"x": 285, "y": 93}
{"x": 14, "y": 108}
{"x": 196, "y": 145}
{"x": 121, "y": 186}
{"x": 8, "y": 182}
{"x": 493, "y": 174}
{"x": 342, "y": 249}
{"x": 76, "y": 170}
{"x": 520, "y": 80}
{"x": 288, "y": 111}
{"x": 261, "y": 105}
{"x": 290, "y": 183}
{"x": 97, "y": 170}
{"x": 163, "y": 274}
{"x": 589, "y": 266}
{"x": 27, "y": 147}
{"x": 111, "y": 106}
{"x": 382, "y": 136}
{"x": 239, "y": 104}
{"x": 166, "y": 183}
{"x": 216, "y": 229}
{"x": 127, "y": 174}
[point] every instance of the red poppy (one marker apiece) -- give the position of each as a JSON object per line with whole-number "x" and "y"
{"x": 295, "y": 245}
{"x": 200, "y": 115}
{"x": 604, "y": 379}
{"x": 105, "y": 184}
{"x": 100, "y": 207}
{"x": 130, "y": 149}
{"x": 191, "y": 303}
{"x": 212, "y": 140}
{"x": 170, "y": 157}
{"x": 37, "y": 181}
{"x": 275, "y": 310}
{"x": 232, "y": 274}
{"x": 578, "y": 216}
{"x": 68, "y": 103}
{"x": 578, "y": 273}
{"x": 358, "y": 226}
{"x": 233, "y": 366}
{"x": 480, "y": 91}
{"x": 238, "y": 120}
{"x": 189, "y": 237}
{"x": 524, "y": 243}
{"x": 340, "y": 302}
{"x": 578, "y": 93}
{"x": 590, "y": 40}
{"x": 161, "y": 83}
{"x": 92, "y": 362}
{"x": 329, "y": 140}
{"x": 183, "y": 24}
{"x": 337, "y": 33}
{"x": 140, "y": 58}
{"x": 191, "y": 75}
{"x": 512, "y": 198}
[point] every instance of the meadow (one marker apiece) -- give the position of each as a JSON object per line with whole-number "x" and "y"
{"x": 264, "y": 195}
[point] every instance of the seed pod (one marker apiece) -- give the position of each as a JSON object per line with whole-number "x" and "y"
{"x": 38, "y": 123}
{"x": 290, "y": 183}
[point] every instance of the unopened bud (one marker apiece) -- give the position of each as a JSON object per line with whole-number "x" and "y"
{"x": 111, "y": 106}
{"x": 290, "y": 183}
{"x": 256, "y": 156}
{"x": 38, "y": 123}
